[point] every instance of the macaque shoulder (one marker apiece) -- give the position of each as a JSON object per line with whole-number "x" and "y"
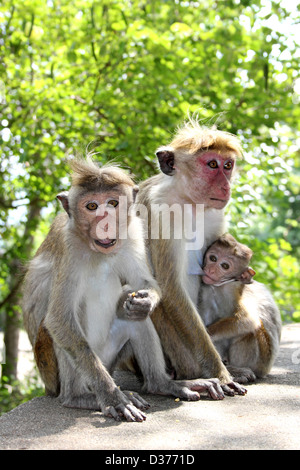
{"x": 55, "y": 238}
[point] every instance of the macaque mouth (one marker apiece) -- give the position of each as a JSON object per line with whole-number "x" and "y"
{"x": 216, "y": 283}
{"x": 210, "y": 278}
{"x": 216, "y": 199}
{"x": 105, "y": 243}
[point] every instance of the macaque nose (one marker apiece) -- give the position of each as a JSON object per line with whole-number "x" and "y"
{"x": 226, "y": 190}
{"x": 100, "y": 217}
{"x": 210, "y": 270}
{"x": 224, "y": 185}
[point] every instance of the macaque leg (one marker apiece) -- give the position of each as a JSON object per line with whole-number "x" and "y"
{"x": 75, "y": 393}
{"x": 242, "y": 351}
{"x": 152, "y": 366}
{"x": 185, "y": 360}
{"x": 46, "y": 361}
{"x": 252, "y": 351}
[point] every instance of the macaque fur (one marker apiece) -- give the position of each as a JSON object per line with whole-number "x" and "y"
{"x": 87, "y": 298}
{"x": 197, "y": 167}
{"x": 240, "y": 314}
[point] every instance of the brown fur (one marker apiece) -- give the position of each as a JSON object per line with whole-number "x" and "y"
{"x": 193, "y": 137}
{"x": 86, "y": 173}
{"x": 46, "y": 361}
{"x": 239, "y": 250}
{"x": 182, "y": 333}
{"x": 79, "y": 309}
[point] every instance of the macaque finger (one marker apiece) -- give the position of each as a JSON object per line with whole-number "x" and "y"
{"x": 211, "y": 387}
{"x": 190, "y": 395}
{"x": 111, "y": 412}
{"x": 131, "y": 413}
{"x": 139, "y": 302}
{"x": 227, "y": 390}
{"x": 143, "y": 293}
{"x": 136, "y": 314}
{"x": 138, "y": 308}
{"x": 233, "y": 388}
{"x": 140, "y": 294}
{"x": 237, "y": 388}
{"x": 137, "y": 400}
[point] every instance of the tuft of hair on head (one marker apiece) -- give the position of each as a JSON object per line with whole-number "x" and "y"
{"x": 194, "y": 137}
{"x": 238, "y": 249}
{"x": 87, "y": 174}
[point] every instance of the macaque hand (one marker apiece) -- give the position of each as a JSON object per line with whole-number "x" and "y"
{"x": 138, "y": 305}
{"x": 130, "y": 407}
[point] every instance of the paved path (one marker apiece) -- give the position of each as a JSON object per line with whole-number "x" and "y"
{"x": 268, "y": 417}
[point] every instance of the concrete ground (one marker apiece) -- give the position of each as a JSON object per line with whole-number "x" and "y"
{"x": 268, "y": 417}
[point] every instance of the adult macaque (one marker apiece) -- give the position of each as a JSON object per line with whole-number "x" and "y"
{"x": 241, "y": 316}
{"x": 88, "y": 294}
{"x": 197, "y": 169}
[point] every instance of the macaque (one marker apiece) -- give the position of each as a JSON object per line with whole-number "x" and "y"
{"x": 196, "y": 172}
{"x": 88, "y": 294}
{"x": 241, "y": 316}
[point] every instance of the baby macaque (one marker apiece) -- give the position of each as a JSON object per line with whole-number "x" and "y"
{"x": 240, "y": 314}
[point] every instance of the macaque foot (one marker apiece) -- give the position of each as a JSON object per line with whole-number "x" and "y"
{"x": 128, "y": 411}
{"x": 242, "y": 375}
{"x": 137, "y": 400}
{"x": 86, "y": 401}
{"x": 180, "y": 391}
{"x": 210, "y": 387}
{"x": 130, "y": 407}
{"x": 233, "y": 388}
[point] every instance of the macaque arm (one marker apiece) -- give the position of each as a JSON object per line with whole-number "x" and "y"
{"x": 231, "y": 327}
{"x": 180, "y": 327}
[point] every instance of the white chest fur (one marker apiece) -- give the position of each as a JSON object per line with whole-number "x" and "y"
{"x": 213, "y": 225}
{"x": 102, "y": 288}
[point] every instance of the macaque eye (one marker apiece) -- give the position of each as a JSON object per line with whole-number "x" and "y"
{"x": 213, "y": 258}
{"x": 92, "y": 206}
{"x": 213, "y": 164}
{"x": 225, "y": 265}
{"x": 228, "y": 165}
{"x": 113, "y": 203}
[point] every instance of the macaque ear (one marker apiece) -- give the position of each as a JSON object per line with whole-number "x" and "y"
{"x": 166, "y": 159}
{"x": 247, "y": 275}
{"x": 63, "y": 198}
{"x": 135, "y": 190}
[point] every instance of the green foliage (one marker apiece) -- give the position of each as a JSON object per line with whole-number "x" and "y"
{"x": 12, "y": 395}
{"x": 120, "y": 75}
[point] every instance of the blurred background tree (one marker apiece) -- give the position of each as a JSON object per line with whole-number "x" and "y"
{"x": 120, "y": 75}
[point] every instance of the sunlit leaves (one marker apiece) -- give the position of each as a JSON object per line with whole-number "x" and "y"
{"x": 123, "y": 74}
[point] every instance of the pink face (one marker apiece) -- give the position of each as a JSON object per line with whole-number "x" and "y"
{"x": 219, "y": 265}
{"x": 98, "y": 221}
{"x": 210, "y": 182}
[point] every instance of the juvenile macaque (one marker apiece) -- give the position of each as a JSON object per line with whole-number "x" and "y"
{"x": 88, "y": 294}
{"x": 241, "y": 316}
{"x": 197, "y": 168}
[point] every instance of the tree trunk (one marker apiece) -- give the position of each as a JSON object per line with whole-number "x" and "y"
{"x": 10, "y": 303}
{"x": 11, "y": 343}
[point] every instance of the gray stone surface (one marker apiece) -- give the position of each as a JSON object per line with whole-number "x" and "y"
{"x": 268, "y": 417}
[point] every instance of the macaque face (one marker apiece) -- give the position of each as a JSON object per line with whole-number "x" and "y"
{"x": 210, "y": 182}
{"x": 97, "y": 219}
{"x": 221, "y": 265}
